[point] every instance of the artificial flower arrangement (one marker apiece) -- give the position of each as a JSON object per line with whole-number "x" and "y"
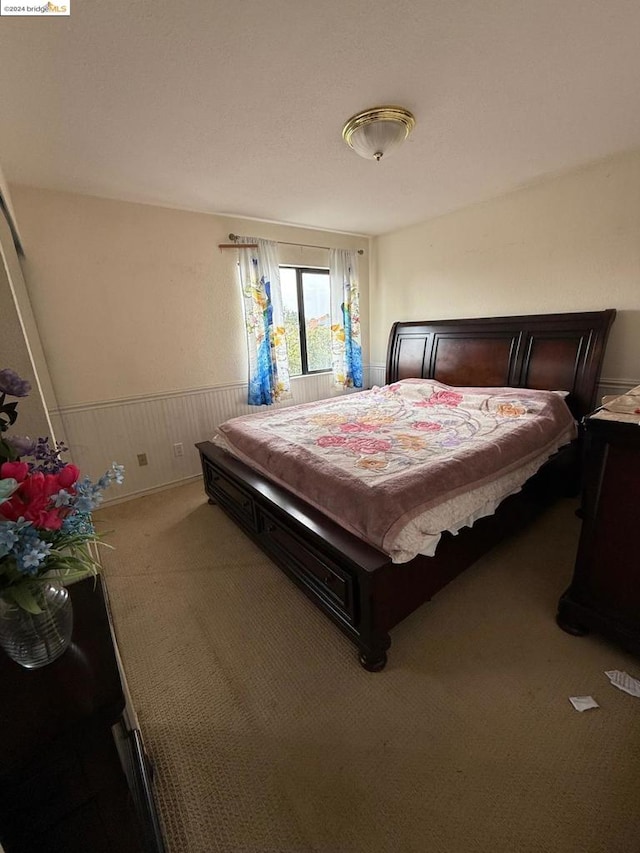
{"x": 45, "y": 508}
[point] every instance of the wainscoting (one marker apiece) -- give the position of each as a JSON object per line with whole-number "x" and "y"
{"x": 616, "y": 386}
{"x": 120, "y": 430}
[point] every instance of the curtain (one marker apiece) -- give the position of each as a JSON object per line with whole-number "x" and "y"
{"x": 264, "y": 318}
{"x": 346, "y": 349}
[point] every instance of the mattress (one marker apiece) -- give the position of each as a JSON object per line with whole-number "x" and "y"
{"x": 400, "y": 464}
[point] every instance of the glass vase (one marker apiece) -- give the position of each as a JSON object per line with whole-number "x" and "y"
{"x": 36, "y": 639}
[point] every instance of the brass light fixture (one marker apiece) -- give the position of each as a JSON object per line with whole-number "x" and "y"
{"x": 375, "y": 132}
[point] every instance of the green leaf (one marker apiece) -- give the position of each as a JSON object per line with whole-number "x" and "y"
{"x": 23, "y": 597}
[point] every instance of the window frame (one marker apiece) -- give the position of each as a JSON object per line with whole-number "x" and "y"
{"x": 302, "y": 325}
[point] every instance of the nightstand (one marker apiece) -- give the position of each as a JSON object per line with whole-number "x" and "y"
{"x": 604, "y": 594}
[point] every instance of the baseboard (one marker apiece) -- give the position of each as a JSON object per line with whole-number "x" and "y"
{"x": 142, "y": 492}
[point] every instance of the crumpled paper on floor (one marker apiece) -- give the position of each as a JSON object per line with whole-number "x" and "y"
{"x": 624, "y": 681}
{"x": 583, "y": 703}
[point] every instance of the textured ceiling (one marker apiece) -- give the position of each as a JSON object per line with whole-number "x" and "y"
{"x": 237, "y": 107}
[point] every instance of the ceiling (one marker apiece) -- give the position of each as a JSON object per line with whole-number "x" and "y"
{"x": 237, "y": 106}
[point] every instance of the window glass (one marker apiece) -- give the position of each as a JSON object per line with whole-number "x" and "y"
{"x": 306, "y": 299}
{"x": 317, "y": 317}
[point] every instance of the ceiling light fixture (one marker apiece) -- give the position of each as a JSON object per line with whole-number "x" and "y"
{"x": 375, "y": 132}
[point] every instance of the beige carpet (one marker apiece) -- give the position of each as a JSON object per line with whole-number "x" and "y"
{"x": 268, "y": 736}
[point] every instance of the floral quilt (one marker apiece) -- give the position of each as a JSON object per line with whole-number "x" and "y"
{"x": 376, "y": 460}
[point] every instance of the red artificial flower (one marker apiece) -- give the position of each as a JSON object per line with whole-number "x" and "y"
{"x": 32, "y": 498}
{"x": 67, "y": 476}
{"x": 15, "y": 470}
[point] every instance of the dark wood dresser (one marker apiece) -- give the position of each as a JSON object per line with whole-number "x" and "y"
{"x": 604, "y": 594}
{"x": 74, "y": 776}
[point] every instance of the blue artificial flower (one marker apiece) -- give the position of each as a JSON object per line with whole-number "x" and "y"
{"x": 8, "y": 537}
{"x": 79, "y": 524}
{"x": 32, "y": 555}
{"x": 114, "y": 474}
{"x": 10, "y": 532}
{"x": 88, "y": 496}
{"x": 118, "y": 472}
{"x": 104, "y": 481}
{"x": 62, "y": 498}
{"x": 20, "y": 540}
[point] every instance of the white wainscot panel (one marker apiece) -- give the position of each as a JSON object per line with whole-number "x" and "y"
{"x": 377, "y": 374}
{"x": 119, "y": 430}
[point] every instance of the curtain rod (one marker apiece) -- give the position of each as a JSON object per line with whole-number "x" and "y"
{"x": 235, "y": 245}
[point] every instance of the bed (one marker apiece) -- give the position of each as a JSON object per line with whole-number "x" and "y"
{"x": 349, "y": 576}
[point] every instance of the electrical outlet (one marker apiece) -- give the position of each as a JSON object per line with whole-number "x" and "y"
{"x": 142, "y": 459}
{"x": 178, "y": 449}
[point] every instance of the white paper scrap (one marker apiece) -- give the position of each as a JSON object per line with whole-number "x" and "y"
{"x": 583, "y": 703}
{"x": 623, "y": 681}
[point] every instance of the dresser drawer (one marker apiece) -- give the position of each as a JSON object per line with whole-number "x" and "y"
{"x": 327, "y": 580}
{"x": 225, "y": 491}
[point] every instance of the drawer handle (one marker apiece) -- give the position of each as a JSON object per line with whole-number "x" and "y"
{"x": 246, "y": 505}
{"x": 328, "y": 580}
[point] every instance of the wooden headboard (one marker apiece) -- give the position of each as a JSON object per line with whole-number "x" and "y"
{"x": 554, "y": 352}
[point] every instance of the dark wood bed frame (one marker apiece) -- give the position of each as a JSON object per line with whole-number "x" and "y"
{"x": 356, "y": 585}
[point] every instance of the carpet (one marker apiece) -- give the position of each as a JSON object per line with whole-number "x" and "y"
{"x": 267, "y": 735}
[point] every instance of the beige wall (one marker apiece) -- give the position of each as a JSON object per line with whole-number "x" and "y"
{"x": 134, "y": 299}
{"x": 570, "y": 243}
{"x": 140, "y": 317}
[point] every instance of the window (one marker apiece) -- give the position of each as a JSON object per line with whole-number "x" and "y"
{"x": 307, "y": 317}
